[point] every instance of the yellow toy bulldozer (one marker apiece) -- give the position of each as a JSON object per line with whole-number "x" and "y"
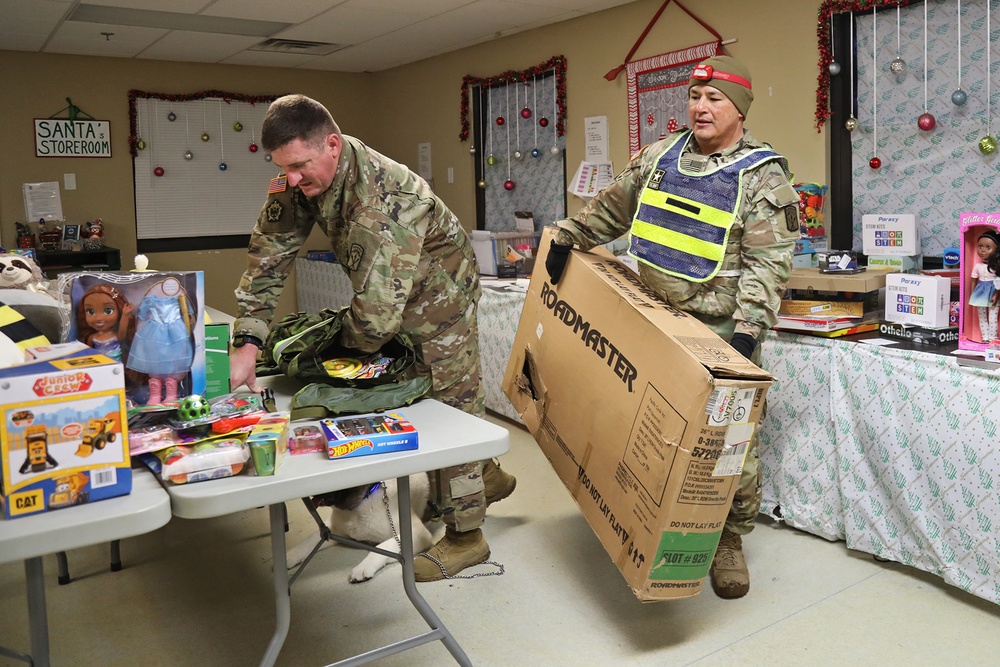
{"x": 69, "y": 491}
{"x": 99, "y": 432}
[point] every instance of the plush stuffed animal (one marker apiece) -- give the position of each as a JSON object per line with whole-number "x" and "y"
{"x": 93, "y": 234}
{"x": 21, "y": 272}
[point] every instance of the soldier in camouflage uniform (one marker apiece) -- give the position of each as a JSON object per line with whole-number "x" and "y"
{"x": 413, "y": 271}
{"x": 713, "y": 220}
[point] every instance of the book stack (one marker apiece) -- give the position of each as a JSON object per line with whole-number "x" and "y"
{"x": 831, "y": 305}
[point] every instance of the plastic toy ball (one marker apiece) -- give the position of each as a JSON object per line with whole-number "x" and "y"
{"x": 193, "y": 407}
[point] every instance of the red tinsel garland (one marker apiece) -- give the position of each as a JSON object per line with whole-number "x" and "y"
{"x": 228, "y": 98}
{"x": 557, "y": 63}
{"x": 828, "y": 8}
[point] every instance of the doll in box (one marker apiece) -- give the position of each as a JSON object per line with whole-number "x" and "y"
{"x": 105, "y": 322}
{"x": 984, "y": 295}
{"x": 163, "y": 345}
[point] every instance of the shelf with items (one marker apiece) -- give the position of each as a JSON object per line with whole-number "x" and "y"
{"x": 53, "y": 262}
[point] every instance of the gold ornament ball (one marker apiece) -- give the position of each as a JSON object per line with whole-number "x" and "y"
{"x": 141, "y": 145}
{"x": 987, "y": 145}
{"x": 481, "y": 185}
{"x": 238, "y": 126}
{"x": 851, "y": 123}
{"x": 204, "y": 136}
{"x": 490, "y": 160}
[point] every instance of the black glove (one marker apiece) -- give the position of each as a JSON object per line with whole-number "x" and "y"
{"x": 555, "y": 261}
{"x": 745, "y": 344}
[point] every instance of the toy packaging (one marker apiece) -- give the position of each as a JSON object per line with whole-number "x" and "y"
{"x": 152, "y": 322}
{"x": 307, "y": 439}
{"x": 368, "y": 434}
{"x": 63, "y": 434}
{"x": 812, "y": 201}
{"x": 216, "y": 360}
{"x": 211, "y": 459}
{"x": 268, "y": 442}
{"x": 978, "y": 308}
{"x": 916, "y": 299}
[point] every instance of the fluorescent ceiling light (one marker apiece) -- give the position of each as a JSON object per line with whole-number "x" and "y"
{"x": 144, "y": 18}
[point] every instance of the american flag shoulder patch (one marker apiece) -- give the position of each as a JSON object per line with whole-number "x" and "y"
{"x": 277, "y": 185}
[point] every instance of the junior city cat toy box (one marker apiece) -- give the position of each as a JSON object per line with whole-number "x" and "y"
{"x": 63, "y": 433}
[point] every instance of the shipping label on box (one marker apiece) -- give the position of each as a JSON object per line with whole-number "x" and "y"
{"x": 368, "y": 434}
{"x": 642, "y": 411}
{"x": 63, "y": 434}
{"x": 917, "y": 299}
{"x": 889, "y": 234}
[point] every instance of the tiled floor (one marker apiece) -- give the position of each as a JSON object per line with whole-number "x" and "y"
{"x": 199, "y": 593}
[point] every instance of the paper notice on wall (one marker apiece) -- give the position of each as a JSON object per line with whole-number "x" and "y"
{"x": 424, "y": 161}
{"x": 42, "y": 201}
{"x": 596, "y": 133}
{"x": 591, "y": 178}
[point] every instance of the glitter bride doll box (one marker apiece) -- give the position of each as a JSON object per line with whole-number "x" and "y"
{"x": 152, "y": 322}
{"x": 978, "y": 300}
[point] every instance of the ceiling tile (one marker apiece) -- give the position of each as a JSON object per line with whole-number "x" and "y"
{"x": 86, "y": 39}
{"x": 197, "y": 47}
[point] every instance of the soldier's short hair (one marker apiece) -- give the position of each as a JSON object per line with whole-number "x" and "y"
{"x": 296, "y": 117}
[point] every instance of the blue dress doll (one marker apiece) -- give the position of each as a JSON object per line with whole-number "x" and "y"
{"x": 163, "y": 347}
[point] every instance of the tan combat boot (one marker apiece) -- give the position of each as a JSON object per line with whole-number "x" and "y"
{"x": 730, "y": 577}
{"x": 452, "y": 554}
{"x": 498, "y": 484}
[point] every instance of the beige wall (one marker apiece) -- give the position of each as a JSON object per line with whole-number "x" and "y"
{"x": 393, "y": 111}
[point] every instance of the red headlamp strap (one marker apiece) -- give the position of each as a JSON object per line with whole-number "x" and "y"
{"x": 706, "y": 73}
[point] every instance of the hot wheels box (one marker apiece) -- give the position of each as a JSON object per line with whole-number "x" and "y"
{"x": 63, "y": 434}
{"x": 368, "y": 434}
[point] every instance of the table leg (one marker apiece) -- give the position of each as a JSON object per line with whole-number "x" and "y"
{"x": 409, "y": 580}
{"x": 282, "y": 592}
{"x": 38, "y": 622}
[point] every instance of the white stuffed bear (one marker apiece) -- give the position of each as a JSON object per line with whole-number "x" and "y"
{"x": 20, "y": 272}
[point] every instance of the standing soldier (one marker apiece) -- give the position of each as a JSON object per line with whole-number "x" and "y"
{"x": 713, "y": 221}
{"x": 413, "y": 271}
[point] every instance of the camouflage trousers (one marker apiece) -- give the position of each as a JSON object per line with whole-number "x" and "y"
{"x": 451, "y": 359}
{"x": 746, "y": 503}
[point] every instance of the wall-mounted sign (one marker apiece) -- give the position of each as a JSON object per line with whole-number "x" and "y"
{"x": 62, "y": 137}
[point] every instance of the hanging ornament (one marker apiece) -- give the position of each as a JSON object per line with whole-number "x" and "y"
{"x": 898, "y": 66}
{"x": 517, "y": 128}
{"x": 526, "y": 113}
{"x": 535, "y": 152}
{"x": 253, "y": 137}
{"x": 491, "y": 160}
{"x": 238, "y": 126}
{"x": 851, "y": 123}
{"x": 188, "y": 155}
{"x": 204, "y": 124}
{"x": 959, "y": 97}
{"x": 926, "y": 121}
{"x": 141, "y": 145}
{"x": 508, "y": 185}
{"x": 159, "y": 171}
{"x": 481, "y": 184}
{"x": 500, "y": 120}
{"x": 223, "y": 166}
{"x": 834, "y": 66}
{"x": 204, "y": 136}
{"x": 555, "y": 150}
{"x": 672, "y": 124}
{"x": 874, "y": 163}
{"x": 534, "y": 97}
{"x": 988, "y": 144}
{"x": 253, "y": 148}
{"x": 267, "y": 157}
{"x": 171, "y": 116}
{"x": 543, "y": 121}
{"x": 472, "y": 150}
{"x": 222, "y": 143}
{"x": 518, "y": 155}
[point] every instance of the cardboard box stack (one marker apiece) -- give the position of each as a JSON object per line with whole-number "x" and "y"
{"x": 644, "y": 413}
{"x": 828, "y": 304}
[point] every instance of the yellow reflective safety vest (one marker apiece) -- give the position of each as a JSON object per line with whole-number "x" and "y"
{"x": 682, "y": 224}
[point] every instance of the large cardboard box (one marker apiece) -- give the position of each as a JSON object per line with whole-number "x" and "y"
{"x": 642, "y": 411}
{"x": 63, "y": 434}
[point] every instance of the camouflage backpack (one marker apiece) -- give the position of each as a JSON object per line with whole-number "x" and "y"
{"x": 304, "y": 346}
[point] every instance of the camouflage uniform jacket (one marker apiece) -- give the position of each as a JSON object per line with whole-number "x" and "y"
{"x": 409, "y": 259}
{"x": 746, "y": 293}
